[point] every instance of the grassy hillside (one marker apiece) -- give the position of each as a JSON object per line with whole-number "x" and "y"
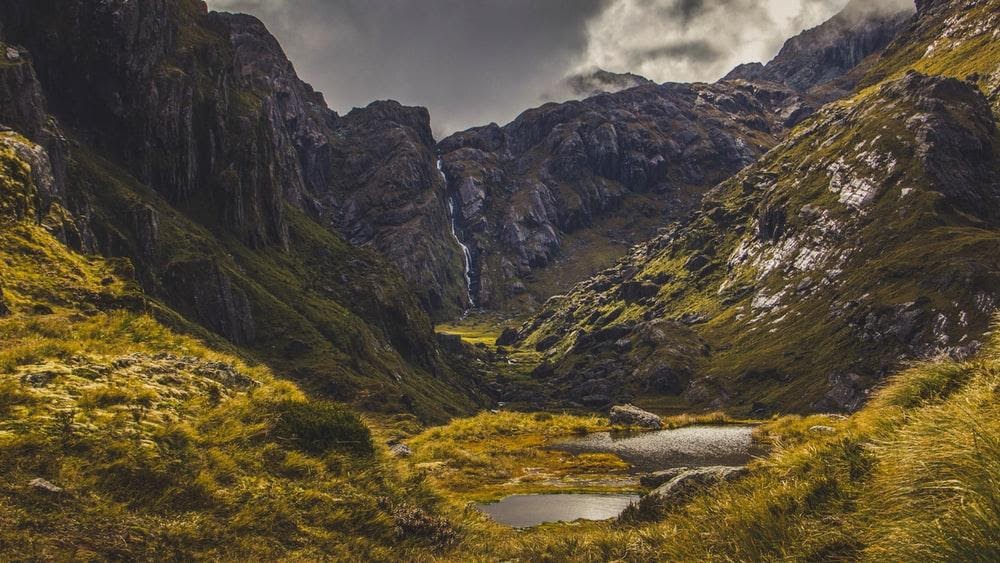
{"x": 164, "y": 445}
{"x": 866, "y": 238}
{"x": 168, "y": 446}
{"x": 913, "y": 476}
{"x": 336, "y": 318}
{"x": 177, "y": 139}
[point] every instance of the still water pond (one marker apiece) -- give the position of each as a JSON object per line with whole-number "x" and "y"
{"x": 694, "y": 446}
{"x": 522, "y": 511}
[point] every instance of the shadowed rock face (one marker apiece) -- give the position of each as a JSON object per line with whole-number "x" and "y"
{"x": 207, "y": 110}
{"x": 562, "y": 168}
{"x": 387, "y": 192}
{"x": 827, "y": 52}
{"x": 200, "y": 156}
{"x": 867, "y": 239}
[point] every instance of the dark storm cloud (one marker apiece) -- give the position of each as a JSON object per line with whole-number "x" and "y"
{"x": 687, "y": 9}
{"x": 697, "y": 50}
{"x": 469, "y": 62}
{"x": 475, "y": 61}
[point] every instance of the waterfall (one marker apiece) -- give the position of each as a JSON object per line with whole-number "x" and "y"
{"x": 452, "y": 218}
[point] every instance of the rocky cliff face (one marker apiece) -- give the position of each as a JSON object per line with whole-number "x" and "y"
{"x": 622, "y": 164}
{"x": 200, "y": 156}
{"x": 826, "y": 53}
{"x": 388, "y": 193}
{"x": 564, "y": 167}
{"x": 370, "y": 175}
{"x": 206, "y": 109}
{"x": 867, "y": 239}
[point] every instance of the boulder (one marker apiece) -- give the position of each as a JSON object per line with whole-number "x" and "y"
{"x": 678, "y": 490}
{"x": 547, "y": 342}
{"x": 40, "y": 484}
{"x": 629, "y": 415}
{"x": 657, "y": 478}
{"x": 507, "y": 337}
{"x": 688, "y": 483}
{"x": 400, "y": 450}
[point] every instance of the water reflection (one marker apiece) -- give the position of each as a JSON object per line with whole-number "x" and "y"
{"x": 522, "y": 511}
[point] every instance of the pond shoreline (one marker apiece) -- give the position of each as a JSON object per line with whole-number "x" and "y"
{"x": 646, "y": 452}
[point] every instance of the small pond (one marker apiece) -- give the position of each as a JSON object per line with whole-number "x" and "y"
{"x": 523, "y": 511}
{"x": 692, "y": 446}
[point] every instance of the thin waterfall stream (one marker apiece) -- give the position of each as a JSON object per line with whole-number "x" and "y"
{"x": 452, "y": 217}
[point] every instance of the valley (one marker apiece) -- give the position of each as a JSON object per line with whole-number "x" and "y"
{"x": 744, "y": 320}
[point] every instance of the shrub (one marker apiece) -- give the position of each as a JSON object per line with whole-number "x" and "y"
{"x": 319, "y": 426}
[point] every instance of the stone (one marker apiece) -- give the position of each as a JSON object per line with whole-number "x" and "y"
{"x": 696, "y": 262}
{"x": 400, "y": 450}
{"x": 629, "y": 415}
{"x": 690, "y": 482}
{"x": 40, "y": 484}
{"x": 547, "y": 342}
{"x": 634, "y": 290}
{"x": 507, "y": 337}
{"x": 657, "y": 478}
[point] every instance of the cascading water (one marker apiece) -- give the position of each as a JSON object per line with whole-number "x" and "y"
{"x": 452, "y": 218}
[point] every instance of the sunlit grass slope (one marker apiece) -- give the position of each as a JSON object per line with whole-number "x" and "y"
{"x": 165, "y": 446}
{"x": 915, "y": 476}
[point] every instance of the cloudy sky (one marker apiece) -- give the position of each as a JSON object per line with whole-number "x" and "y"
{"x": 476, "y": 61}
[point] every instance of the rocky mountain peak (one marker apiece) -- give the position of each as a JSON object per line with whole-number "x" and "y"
{"x": 597, "y": 81}
{"x": 824, "y": 53}
{"x": 865, "y": 239}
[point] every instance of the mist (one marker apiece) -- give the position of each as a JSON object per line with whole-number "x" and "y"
{"x": 475, "y": 62}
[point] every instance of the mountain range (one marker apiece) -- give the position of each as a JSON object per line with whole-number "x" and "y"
{"x": 214, "y": 287}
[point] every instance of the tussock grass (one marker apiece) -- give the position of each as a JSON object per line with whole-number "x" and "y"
{"x": 913, "y": 476}
{"x": 495, "y": 454}
{"x": 167, "y": 446}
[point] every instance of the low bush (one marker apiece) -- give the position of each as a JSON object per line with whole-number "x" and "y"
{"x": 319, "y": 426}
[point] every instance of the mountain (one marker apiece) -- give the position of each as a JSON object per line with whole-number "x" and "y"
{"x": 207, "y": 110}
{"x": 183, "y": 141}
{"x": 863, "y": 241}
{"x": 598, "y": 81}
{"x": 564, "y": 189}
{"x": 197, "y": 258}
{"x": 826, "y": 53}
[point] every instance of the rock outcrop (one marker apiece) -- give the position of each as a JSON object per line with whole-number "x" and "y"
{"x": 864, "y": 241}
{"x": 206, "y": 109}
{"x": 683, "y": 485}
{"x": 629, "y": 415}
{"x": 198, "y": 155}
{"x": 534, "y": 194}
{"x": 691, "y": 481}
{"x": 657, "y": 478}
